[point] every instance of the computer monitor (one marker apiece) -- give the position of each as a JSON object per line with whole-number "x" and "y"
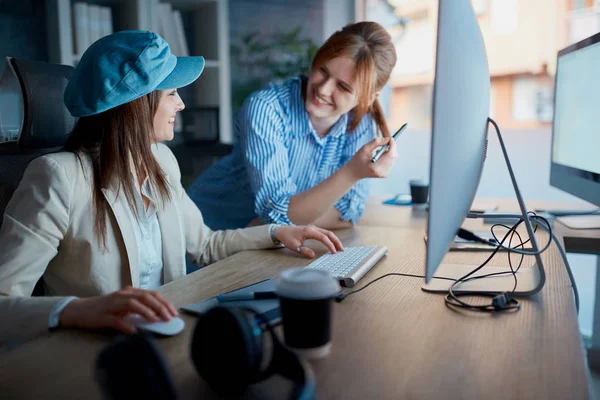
{"x": 461, "y": 105}
{"x": 575, "y": 163}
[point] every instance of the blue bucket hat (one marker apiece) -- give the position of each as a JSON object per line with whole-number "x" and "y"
{"x": 125, "y": 66}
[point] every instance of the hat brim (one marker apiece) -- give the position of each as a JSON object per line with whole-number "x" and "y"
{"x": 186, "y": 71}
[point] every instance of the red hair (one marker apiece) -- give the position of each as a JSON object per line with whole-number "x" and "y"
{"x": 371, "y": 48}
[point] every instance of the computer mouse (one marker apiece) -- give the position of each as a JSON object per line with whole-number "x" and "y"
{"x": 169, "y": 328}
{"x": 403, "y": 199}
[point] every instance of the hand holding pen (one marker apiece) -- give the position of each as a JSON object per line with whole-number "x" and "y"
{"x": 362, "y": 164}
{"x": 387, "y": 146}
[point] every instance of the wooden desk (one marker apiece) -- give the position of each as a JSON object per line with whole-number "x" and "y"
{"x": 390, "y": 341}
{"x": 576, "y": 241}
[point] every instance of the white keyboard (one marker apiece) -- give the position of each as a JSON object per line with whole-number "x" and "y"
{"x": 350, "y": 265}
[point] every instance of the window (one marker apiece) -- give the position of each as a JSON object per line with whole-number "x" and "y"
{"x": 504, "y": 16}
{"x": 581, "y": 4}
{"x": 524, "y": 99}
{"x": 480, "y": 6}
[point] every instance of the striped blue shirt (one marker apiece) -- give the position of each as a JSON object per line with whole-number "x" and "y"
{"x": 278, "y": 154}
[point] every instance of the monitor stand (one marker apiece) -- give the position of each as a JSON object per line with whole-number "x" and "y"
{"x": 530, "y": 279}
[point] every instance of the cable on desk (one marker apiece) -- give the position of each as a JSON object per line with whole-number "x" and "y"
{"x": 503, "y": 301}
{"x": 500, "y": 302}
{"x": 342, "y": 296}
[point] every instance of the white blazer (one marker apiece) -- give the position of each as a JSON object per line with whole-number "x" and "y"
{"x": 48, "y": 231}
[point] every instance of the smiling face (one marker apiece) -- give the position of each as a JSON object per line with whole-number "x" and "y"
{"x": 164, "y": 118}
{"x": 331, "y": 92}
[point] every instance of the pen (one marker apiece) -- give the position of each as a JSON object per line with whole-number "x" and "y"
{"x": 222, "y": 298}
{"x": 384, "y": 148}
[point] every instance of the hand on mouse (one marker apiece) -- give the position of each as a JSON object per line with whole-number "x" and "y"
{"x": 293, "y": 238}
{"x": 109, "y": 311}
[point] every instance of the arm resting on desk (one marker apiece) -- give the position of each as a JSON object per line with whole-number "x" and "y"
{"x": 24, "y": 318}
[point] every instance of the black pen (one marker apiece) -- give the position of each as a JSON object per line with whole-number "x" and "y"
{"x": 387, "y": 146}
{"x": 222, "y": 298}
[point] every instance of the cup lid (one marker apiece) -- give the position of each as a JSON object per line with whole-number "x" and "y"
{"x": 418, "y": 182}
{"x": 306, "y": 283}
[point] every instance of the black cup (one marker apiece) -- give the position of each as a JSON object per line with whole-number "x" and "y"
{"x": 419, "y": 191}
{"x": 306, "y": 301}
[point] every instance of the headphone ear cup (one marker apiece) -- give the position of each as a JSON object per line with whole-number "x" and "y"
{"x": 132, "y": 367}
{"x": 289, "y": 365}
{"x": 227, "y": 350}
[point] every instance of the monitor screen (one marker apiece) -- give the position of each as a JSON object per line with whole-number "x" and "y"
{"x": 459, "y": 125}
{"x": 576, "y": 129}
{"x": 577, "y": 116}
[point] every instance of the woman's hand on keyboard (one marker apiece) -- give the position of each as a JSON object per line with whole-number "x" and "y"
{"x": 293, "y": 238}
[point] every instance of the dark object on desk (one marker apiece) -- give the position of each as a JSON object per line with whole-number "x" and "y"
{"x": 132, "y": 368}
{"x": 230, "y": 350}
{"x": 419, "y": 191}
{"x": 306, "y": 296}
{"x": 248, "y": 296}
{"x": 470, "y": 236}
{"x": 268, "y": 308}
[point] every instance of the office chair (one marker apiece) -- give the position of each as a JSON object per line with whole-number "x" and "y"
{"x": 45, "y": 122}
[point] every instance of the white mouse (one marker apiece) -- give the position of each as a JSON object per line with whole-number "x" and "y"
{"x": 169, "y": 328}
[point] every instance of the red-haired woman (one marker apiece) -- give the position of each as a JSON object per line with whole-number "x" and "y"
{"x": 304, "y": 146}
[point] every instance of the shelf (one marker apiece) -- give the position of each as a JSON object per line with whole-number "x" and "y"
{"x": 208, "y": 35}
{"x": 187, "y": 5}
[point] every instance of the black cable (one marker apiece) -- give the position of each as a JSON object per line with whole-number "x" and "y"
{"x": 340, "y": 297}
{"x": 501, "y": 302}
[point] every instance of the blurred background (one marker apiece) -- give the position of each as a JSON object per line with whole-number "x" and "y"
{"x": 248, "y": 43}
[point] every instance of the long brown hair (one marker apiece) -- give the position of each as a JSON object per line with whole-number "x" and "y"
{"x": 117, "y": 140}
{"x": 372, "y": 49}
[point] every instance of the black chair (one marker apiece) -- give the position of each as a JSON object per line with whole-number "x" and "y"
{"x": 46, "y": 122}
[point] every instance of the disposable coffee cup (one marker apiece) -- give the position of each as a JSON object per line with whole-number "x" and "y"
{"x": 306, "y": 302}
{"x": 419, "y": 190}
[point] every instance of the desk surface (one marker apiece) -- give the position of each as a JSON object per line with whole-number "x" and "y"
{"x": 390, "y": 341}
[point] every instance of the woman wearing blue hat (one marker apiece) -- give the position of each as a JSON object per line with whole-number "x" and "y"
{"x": 106, "y": 221}
{"x": 305, "y": 146}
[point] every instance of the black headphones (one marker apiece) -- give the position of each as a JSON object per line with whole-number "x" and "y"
{"x": 230, "y": 349}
